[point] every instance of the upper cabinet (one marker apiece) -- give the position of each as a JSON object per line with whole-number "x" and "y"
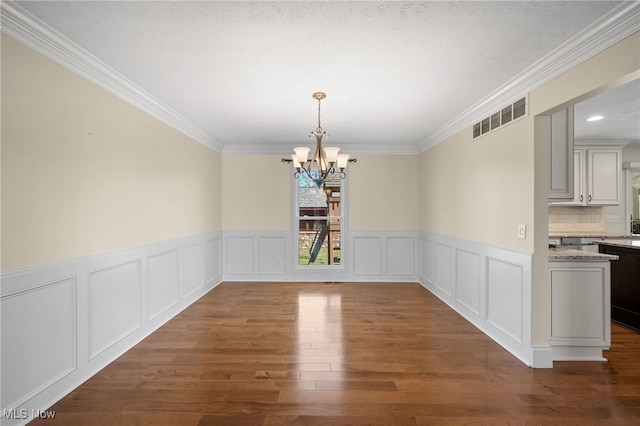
{"x": 559, "y": 128}
{"x": 597, "y": 175}
{"x": 603, "y": 176}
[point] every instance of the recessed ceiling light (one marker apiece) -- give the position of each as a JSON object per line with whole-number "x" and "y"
{"x": 595, "y": 118}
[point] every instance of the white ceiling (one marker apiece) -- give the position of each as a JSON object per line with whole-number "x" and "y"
{"x": 620, "y": 108}
{"x": 395, "y": 73}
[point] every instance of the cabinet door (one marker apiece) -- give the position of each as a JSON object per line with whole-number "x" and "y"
{"x": 578, "y": 181}
{"x": 604, "y": 168}
{"x": 580, "y": 303}
{"x": 560, "y": 156}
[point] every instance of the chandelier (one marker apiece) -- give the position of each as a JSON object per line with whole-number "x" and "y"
{"x": 326, "y": 163}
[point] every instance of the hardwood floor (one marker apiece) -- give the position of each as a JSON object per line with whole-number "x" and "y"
{"x": 344, "y": 354}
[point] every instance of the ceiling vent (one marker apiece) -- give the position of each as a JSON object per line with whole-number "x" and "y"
{"x": 506, "y": 115}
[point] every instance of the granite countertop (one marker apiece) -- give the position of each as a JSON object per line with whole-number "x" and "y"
{"x": 585, "y": 234}
{"x": 565, "y": 254}
{"x": 629, "y": 243}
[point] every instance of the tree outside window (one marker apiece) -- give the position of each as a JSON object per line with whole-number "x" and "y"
{"x": 319, "y": 220}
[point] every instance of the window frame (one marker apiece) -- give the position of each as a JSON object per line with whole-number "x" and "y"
{"x": 295, "y": 218}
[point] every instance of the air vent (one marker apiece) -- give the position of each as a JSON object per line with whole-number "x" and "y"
{"x": 508, "y": 114}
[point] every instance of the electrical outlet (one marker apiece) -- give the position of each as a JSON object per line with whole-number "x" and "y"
{"x": 522, "y": 231}
{"x": 613, "y": 218}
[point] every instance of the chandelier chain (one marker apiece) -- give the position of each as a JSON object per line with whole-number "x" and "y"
{"x": 319, "y": 129}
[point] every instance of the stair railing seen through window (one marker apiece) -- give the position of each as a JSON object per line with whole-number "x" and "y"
{"x": 319, "y": 220}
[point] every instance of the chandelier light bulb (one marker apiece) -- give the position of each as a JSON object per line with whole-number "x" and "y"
{"x": 302, "y": 152}
{"x": 343, "y": 159}
{"x": 332, "y": 154}
{"x": 296, "y": 163}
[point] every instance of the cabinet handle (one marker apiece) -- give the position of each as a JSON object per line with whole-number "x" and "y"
{"x": 590, "y": 198}
{"x": 581, "y": 198}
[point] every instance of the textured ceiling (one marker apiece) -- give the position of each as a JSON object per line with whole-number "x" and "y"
{"x": 394, "y": 72}
{"x": 620, "y": 108}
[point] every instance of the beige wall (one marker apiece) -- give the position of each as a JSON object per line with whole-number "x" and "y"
{"x": 256, "y": 192}
{"x": 480, "y": 189}
{"x": 382, "y": 192}
{"x": 84, "y": 172}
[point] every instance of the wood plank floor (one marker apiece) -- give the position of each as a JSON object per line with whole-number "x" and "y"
{"x": 344, "y": 354}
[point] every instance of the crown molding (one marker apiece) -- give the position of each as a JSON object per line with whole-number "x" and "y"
{"x": 29, "y": 30}
{"x": 621, "y": 22}
{"x": 611, "y": 28}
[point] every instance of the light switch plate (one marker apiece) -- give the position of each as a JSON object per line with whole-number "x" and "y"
{"x": 522, "y": 231}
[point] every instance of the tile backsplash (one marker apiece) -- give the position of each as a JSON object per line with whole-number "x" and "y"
{"x": 576, "y": 219}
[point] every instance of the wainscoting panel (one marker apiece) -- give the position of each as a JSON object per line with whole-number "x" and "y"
{"x": 400, "y": 255}
{"x": 468, "y": 284}
{"x": 505, "y": 297}
{"x": 267, "y": 255}
{"x": 239, "y": 255}
{"x": 489, "y": 286}
{"x": 271, "y": 255}
{"x": 367, "y": 255}
{"x": 192, "y": 269}
{"x": 445, "y": 268}
{"x": 427, "y": 261}
{"x": 118, "y": 286}
{"x": 62, "y": 322}
{"x": 213, "y": 261}
{"x": 162, "y": 282}
{"x": 38, "y": 339}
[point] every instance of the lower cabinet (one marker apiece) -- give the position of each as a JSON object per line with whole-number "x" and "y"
{"x": 580, "y": 310}
{"x": 625, "y": 285}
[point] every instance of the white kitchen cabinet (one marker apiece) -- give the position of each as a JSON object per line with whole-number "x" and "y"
{"x": 604, "y": 170}
{"x": 580, "y": 310}
{"x": 597, "y": 176}
{"x": 558, "y": 127}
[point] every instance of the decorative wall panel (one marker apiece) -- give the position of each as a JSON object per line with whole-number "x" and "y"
{"x": 427, "y": 260}
{"x": 268, "y": 255}
{"x": 272, "y": 253}
{"x": 38, "y": 339}
{"x": 162, "y": 282}
{"x": 213, "y": 260}
{"x": 400, "y": 255}
{"x": 192, "y": 269}
{"x": 468, "y": 283}
{"x": 489, "y": 286}
{"x": 505, "y": 297}
{"x": 63, "y": 322}
{"x": 445, "y": 268}
{"x": 114, "y": 303}
{"x": 367, "y": 255}
{"x": 239, "y": 255}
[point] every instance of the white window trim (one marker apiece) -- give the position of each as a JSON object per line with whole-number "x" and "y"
{"x": 344, "y": 258}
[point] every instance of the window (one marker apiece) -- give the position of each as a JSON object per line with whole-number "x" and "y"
{"x": 319, "y": 218}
